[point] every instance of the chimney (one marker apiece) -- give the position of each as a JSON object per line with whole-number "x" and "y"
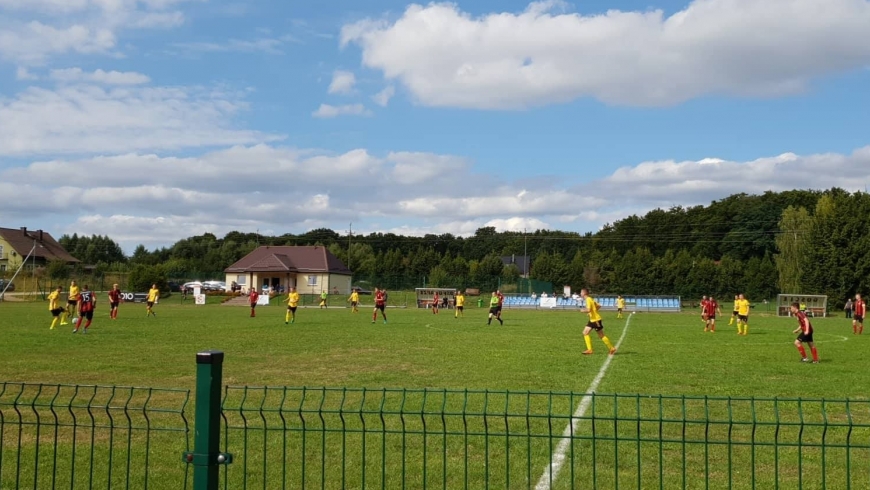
{"x": 40, "y": 235}
{"x": 24, "y": 230}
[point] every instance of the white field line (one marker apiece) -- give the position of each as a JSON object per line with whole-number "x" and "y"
{"x": 558, "y": 458}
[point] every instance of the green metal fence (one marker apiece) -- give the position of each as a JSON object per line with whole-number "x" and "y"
{"x": 54, "y": 436}
{"x": 62, "y": 436}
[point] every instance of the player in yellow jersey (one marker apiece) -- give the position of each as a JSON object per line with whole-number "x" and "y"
{"x": 742, "y": 305}
{"x": 620, "y": 306}
{"x": 72, "y": 302}
{"x": 153, "y": 296}
{"x": 734, "y": 311}
{"x": 354, "y": 301}
{"x": 591, "y": 308}
{"x": 460, "y": 304}
{"x": 292, "y": 304}
{"x": 54, "y": 307}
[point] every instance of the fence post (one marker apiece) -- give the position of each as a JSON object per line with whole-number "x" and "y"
{"x": 206, "y": 457}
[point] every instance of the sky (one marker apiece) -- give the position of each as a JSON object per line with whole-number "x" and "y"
{"x": 154, "y": 120}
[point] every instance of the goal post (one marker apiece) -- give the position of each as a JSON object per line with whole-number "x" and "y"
{"x": 426, "y": 295}
{"x": 815, "y": 304}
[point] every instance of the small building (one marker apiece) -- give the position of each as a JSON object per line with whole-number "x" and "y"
{"x": 17, "y": 244}
{"x": 311, "y": 270}
{"x": 522, "y": 262}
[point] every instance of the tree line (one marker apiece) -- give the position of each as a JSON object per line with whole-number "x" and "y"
{"x": 812, "y": 242}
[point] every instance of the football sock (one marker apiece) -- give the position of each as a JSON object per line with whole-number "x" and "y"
{"x": 374, "y": 316}
{"x": 588, "y": 341}
{"x": 607, "y": 342}
{"x": 63, "y": 318}
{"x": 79, "y": 323}
{"x": 802, "y": 351}
{"x": 87, "y": 324}
{"x": 815, "y": 353}
{"x": 860, "y": 329}
{"x": 500, "y": 321}
{"x": 54, "y": 323}
{"x": 287, "y": 317}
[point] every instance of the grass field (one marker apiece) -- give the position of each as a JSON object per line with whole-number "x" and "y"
{"x": 502, "y": 438}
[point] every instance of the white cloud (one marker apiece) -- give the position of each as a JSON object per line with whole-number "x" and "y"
{"x": 36, "y": 30}
{"x": 383, "y": 97}
{"x": 99, "y": 76}
{"x": 33, "y": 42}
{"x": 329, "y": 111}
{"x": 447, "y": 57}
{"x": 342, "y": 82}
{"x": 263, "y": 45}
{"x": 23, "y": 73}
{"x": 292, "y": 190}
{"x": 94, "y": 119}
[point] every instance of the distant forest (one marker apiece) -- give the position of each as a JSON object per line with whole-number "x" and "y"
{"x": 811, "y": 242}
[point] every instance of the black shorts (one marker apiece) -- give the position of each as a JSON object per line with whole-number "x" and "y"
{"x": 858, "y": 318}
{"x": 619, "y": 310}
{"x": 354, "y": 303}
{"x": 72, "y": 302}
{"x": 493, "y": 310}
{"x": 734, "y": 313}
{"x": 89, "y": 315}
{"x": 253, "y": 305}
{"x": 498, "y": 308}
{"x": 460, "y": 307}
{"x": 113, "y": 305}
{"x": 711, "y": 317}
{"x": 380, "y": 306}
{"x": 806, "y": 338}
{"x": 597, "y": 326}
{"x": 57, "y": 311}
{"x": 289, "y": 308}
{"x": 149, "y": 304}
{"x": 743, "y": 318}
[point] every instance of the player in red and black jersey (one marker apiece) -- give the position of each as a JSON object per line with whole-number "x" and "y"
{"x": 858, "y": 318}
{"x": 704, "y": 310}
{"x": 253, "y": 298}
{"x": 805, "y": 330}
{"x": 380, "y": 304}
{"x": 500, "y": 304}
{"x": 435, "y": 300}
{"x": 87, "y": 304}
{"x": 114, "y": 301}
{"x": 710, "y": 308}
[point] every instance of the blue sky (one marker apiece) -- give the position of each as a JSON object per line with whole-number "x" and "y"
{"x": 151, "y": 120}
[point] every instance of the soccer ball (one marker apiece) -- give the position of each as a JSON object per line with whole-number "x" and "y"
{"x": 75, "y": 319}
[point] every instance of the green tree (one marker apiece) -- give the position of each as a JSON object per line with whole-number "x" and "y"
{"x": 143, "y": 276}
{"x": 795, "y": 226}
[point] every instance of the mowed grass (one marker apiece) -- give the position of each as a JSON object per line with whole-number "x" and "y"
{"x": 497, "y": 435}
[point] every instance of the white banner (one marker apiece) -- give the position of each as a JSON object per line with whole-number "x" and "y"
{"x": 263, "y": 300}
{"x": 197, "y": 291}
{"x": 200, "y": 298}
{"x": 548, "y": 302}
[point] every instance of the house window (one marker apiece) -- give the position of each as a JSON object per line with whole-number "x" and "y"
{"x": 1, "y": 252}
{"x": 3, "y": 268}
{"x": 241, "y": 279}
{"x": 312, "y": 280}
